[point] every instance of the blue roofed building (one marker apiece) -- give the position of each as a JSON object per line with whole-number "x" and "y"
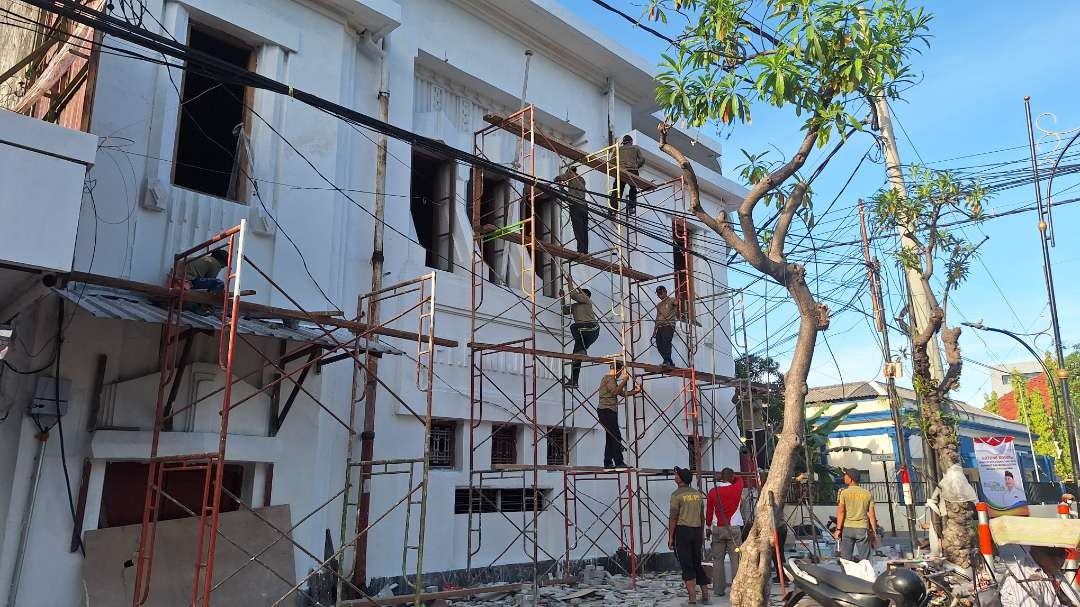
{"x": 869, "y": 427}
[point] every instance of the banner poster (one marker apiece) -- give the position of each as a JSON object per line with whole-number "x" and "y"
{"x": 1001, "y": 482}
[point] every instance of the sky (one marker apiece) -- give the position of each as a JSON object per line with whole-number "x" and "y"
{"x": 966, "y": 111}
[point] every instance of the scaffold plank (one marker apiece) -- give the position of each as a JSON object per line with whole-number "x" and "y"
{"x": 567, "y": 151}
{"x": 249, "y": 307}
{"x": 700, "y": 376}
{"x": 586, "y": 260}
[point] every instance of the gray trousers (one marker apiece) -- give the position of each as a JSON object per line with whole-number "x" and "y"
{"x": 854, "y": 544}
{"x": 725, "y": 540}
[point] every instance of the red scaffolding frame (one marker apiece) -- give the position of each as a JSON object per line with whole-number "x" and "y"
{"x": 324, "y": 347}
{"x": 628, "y": 518}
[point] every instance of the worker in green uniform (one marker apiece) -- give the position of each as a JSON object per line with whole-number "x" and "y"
{"x": 686, "y": 535}
{"x": 203, "y": 272}
{"x": 585, "y": 329}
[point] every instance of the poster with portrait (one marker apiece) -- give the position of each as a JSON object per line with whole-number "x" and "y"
{"x": 1000, "y": 477}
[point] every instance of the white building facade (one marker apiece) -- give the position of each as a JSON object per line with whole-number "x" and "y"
{"x": 168, "y": 176}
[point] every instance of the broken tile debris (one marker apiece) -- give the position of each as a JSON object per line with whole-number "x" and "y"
{"x": 597, "y": 588}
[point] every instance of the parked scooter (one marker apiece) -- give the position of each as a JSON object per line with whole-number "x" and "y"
{"x": 817, "y": 585}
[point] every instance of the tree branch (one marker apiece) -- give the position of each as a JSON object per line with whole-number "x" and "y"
{"x": 783, "y": 224}
{"x": 950, "y": 339}
{"x": 925, "y": 334}
{"x": 750, "y": 250}
{"x": 771, "y": 181}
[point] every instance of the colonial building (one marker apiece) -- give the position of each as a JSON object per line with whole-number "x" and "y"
{"x": 171, "y": 158}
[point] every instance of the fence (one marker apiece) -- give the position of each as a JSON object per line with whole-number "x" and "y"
{"x": 823, "y": 493}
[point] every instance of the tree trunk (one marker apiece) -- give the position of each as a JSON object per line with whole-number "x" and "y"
{"x": 957, "y": 536}
{"x": 751, "y": 585}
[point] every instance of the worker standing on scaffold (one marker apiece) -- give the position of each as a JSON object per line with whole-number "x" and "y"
{"x": 585, "y": 329}
{"x": 630, "y": 160}
{"x": 664, "y": 325}
{"x": 612, "y": 386}
{"x": 578, "y": 207}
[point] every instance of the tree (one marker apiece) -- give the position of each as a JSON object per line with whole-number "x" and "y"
{"x": 1032, "y": 410}
{"x": 759, "y": 414}
{"x": 990, "y": 404}
{"x": 934, "y": 199}
{"x": 819, "y": 59}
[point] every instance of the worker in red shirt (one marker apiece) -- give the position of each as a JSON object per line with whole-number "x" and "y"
{"x": 723, "y": 506}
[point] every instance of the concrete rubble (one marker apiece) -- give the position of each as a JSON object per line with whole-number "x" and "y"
{"x": 597, "y": 588}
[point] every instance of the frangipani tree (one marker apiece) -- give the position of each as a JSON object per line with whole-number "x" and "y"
{"x": 935, "y": 201}
{"x": 819, "y": 60}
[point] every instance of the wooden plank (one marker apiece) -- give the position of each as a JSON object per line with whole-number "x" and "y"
{"x": 431, "y": 596}
{"x": 248, "y": 307}
{"x": 700, "y": 376}
{"x": 586, "y": 260}
{"x": 57, "y": 67}
{"x": 566, "y": 151}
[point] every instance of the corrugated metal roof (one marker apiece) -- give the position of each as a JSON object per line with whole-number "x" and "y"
{"x": 119, "y": 304}
{"x": 835, "y": 392}
{"x": 872, "y": 389}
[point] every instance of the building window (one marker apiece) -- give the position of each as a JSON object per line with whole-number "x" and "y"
{"x": 442, "y": 443}
{"x": 504, "y": 444}
{"x": 482, "y": 501}
{"x": 494, "y": 196}
{"x": 124, "y": 490}
{"x": 546, "y": 221}
{"x": 432, "y": 206}
{"x": 558, "y": 445}
{"x": 682, "y": 243}
{"x": 211, "y": 149}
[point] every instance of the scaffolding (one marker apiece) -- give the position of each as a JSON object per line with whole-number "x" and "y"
{"x": 606, "y": 514}
{"x": 327, "y": 344}
{"x": 567, "y": 514}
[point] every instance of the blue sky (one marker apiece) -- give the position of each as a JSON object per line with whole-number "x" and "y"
{"x": 983, "y": 59}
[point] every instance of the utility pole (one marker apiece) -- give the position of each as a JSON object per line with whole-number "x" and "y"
{"x": 920, "y": 299}
{"x": 890, "y": 377}
{"x": 1048, "y": 276}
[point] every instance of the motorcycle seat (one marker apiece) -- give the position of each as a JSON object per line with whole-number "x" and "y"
{"x": 839, "y": 580}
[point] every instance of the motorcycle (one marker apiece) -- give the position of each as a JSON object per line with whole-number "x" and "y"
{"x": 817, "y": 585}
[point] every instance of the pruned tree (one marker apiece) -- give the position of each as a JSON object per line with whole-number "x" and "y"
{"x": 819, "y": 59}
{"x": 935, "y": 200}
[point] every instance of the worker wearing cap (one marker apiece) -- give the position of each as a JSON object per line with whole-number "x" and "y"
{"x": 664, "y": 326}
{"x": 585, "y": 329}
{"x": 856, "y": 521}
{"x": 630, "y": 161}
{"x": 686, "y": 535}
{"x": 578, "y": 208}
{"x": 612, "y": 386}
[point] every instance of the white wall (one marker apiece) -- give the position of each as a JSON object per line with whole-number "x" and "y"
{"x": 140, "y": 220}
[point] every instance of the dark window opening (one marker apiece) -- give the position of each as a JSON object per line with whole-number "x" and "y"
{"x": 557, "y": 447}
{"x": 494, "y": 196}
{"x": 124, "y": 491}
{"x": 441, "y": 444}
{"x": 682, "y": 239}
{"x": 482, "y": 501}
{"x": 504, "y": 444}
{"x": 210, "y": 156}
{"x": 546, "y": 219}
{"x": 431, "y": 203}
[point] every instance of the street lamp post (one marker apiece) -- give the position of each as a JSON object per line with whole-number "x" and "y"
{"x": 1053, "y": 388}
